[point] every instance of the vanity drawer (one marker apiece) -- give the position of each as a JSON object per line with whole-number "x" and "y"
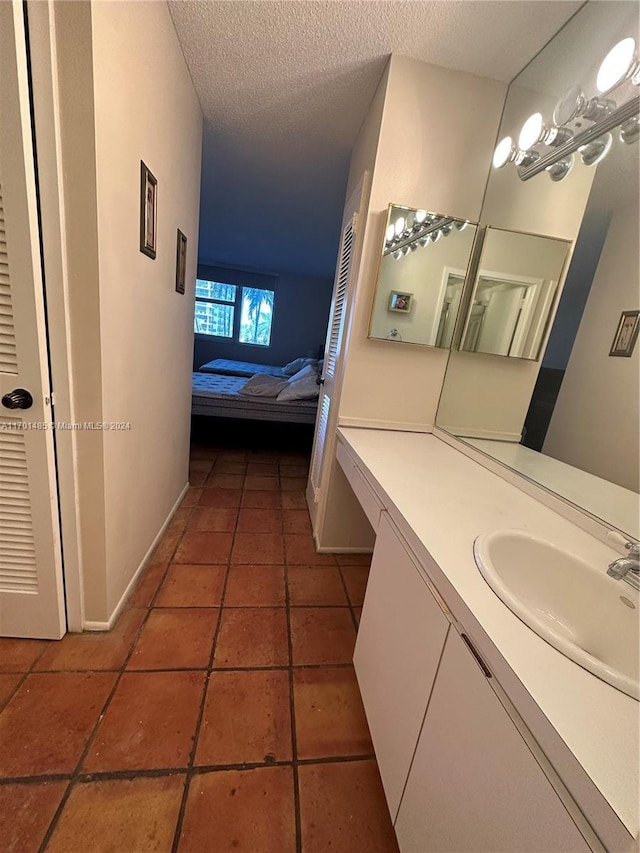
{"x": 367, "y": 498}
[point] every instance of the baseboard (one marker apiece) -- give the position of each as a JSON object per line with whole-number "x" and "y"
{"x": 107, "y": 626}
{"x": 367, "y": 423}
{"x": 344, "y": 550}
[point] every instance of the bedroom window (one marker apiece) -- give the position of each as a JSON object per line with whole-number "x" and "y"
{"x": 243, "y": 314}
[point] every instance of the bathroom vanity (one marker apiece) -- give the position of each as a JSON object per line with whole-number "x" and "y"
{"x": 487, "y": 737}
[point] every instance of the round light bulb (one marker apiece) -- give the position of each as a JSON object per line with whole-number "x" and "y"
{"x": 399, "y": 226}
{"x": 616, "y": 65}
{"x": 390, "y": 233}
{"x": 531, "y": 132}
{"x": 503, "y": 152}
{"x": 421, "y": 215}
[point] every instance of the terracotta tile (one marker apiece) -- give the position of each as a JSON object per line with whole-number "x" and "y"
{"x": 300, "y": 550}
{"x": 315, "y": 585}
{"x": 220, "y": 497}
{"x": 293, "y": 484}
{"x": 197, "y": 478}
{"x": 203, "y": 451}
{"x": 322, "y": 635}
{"x": 257, "y": 548}
{"x": 167, "y": 545}
{"x": 252, "y": 636}
{"x": 263, "y": 457}
{"x": 204, "y": 547}
{"x": 192, "y": 586}
{"x": 106, "y": 650}
{"x": 27, "y": 811}
{"x": 343, "y": 808}
{"x": 293, "y": 500}
{"x": 261, "y": 484}
{"x": 233, "y": 455}
{"x": 226, "y": 466}
{"x": 192, "y": 497}
{"x": 147, "y": 586}
{"x": 255, "y": 586}
{"x": 260, "y": 500}
{"x": 19, "y": 655}
{"x": 150, "y": 722}
{"x": 178, "y": 638}
{"x": 45, "y": 726}
{"x": 263, "y": 469}
{"x": 224, "y": 481}
{"x": 296, "y": 521}
{"x": 244, "y": 810}
{"x": 354, "y": 559}
{"x": 201, "y": 465}
{"x": 218, "y": 519}
{"x": 246, "y": 718}
{"x": 123, "y": 815}
{"x": 330, "y": 719}
{"x": 8, "y": 684}
{"x": 179, "y": 521}
{"x": 355, "y": 579}
{"x": 287, "y": 470}
{"x": 260, "y": 521}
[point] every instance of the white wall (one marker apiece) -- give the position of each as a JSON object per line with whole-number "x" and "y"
{"x": 598, "y": 405}
{"x": 145, "y": 109}
{"x": 423, "y": 160}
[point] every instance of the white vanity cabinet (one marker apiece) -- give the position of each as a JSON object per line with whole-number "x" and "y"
{"x": 400, "y": 640}
{"x": 474, "y": 785}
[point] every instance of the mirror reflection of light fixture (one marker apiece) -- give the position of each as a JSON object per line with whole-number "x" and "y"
{"x": 424, "y": 241}
{"x": 619, "y": 64}
{"x": 390, "y": 234}
{"x": 574, "y": 105}
{"x": 460, "y": 224}
{"x": 630, "y": 131}
{"x": 595, "y": 151}
{"x": 399, "y": 226}
{"x": 421, "y": 216}
{"x": 534, "y": 131}
{"x": 561, "y": 169}
{"x": 435, "y": 236}
{"x": 397, "y": 254}
{"x": 504, "y": 153}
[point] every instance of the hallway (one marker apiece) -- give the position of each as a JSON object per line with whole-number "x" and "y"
{"x": 222, "y": 711}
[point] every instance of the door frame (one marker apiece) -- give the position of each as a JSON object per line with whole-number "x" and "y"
{"x": 41, "y": 49}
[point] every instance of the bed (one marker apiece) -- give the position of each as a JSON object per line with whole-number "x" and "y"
{"x": 217, "y": 396}
{"x": 228, "y": 367}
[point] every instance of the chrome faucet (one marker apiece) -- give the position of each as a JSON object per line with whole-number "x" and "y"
{"x": 627, "y": 568}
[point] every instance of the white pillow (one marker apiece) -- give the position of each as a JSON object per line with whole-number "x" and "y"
{"x": 261, "y": 385}
{"x": 296, "y": 365}
{"x": 306, "y": 371}
{"x": 302, "y": 389}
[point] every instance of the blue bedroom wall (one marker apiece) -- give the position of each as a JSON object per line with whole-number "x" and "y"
{"x": 300, "y": 316}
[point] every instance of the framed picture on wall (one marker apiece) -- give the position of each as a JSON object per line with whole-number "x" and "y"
{"x": 181, "y": 261}
{"x": 148, "y": 211}
{"x": 400, "y": 301}
{"x": 626, "y": 334}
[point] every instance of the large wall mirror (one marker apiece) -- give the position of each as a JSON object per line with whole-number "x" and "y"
{"x": 423, "y": 264}
{"x": 570, "y": 420}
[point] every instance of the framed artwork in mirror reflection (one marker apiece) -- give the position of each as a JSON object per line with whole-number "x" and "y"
{"x": 181, "y": 261}
{"x": 626, "y": 334}
{"x": 400, "y": 301}
{"x": 148, "y": 211}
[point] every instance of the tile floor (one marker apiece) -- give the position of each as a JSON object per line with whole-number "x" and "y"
{"x": 222, "y": 712}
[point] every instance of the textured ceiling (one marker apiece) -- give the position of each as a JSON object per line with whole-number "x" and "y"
{"x": 284, "y": 87}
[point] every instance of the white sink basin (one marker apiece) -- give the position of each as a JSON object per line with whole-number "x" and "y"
{"x": 587, "y": 615}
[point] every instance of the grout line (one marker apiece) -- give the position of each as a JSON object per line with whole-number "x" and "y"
{"x": 292, "y": 714}
{"x": 346, "y": 592}
{"x": 196, "y": 734}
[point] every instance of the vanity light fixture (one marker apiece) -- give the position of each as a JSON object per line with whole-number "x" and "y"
{"x": 399, "y": 227}
{"x": 534, "y": 131}
{"x": 397, "y": 254}
{"x": 575, "y": 105}
{"x": 505, "y": 153}
{"x": 630, "y": 131}
{"x": 390, "y": 234}
{"x": 421, "y": 217}
{"x": 460, "y": 224}
{"x": 561, "y": 169}
{"x": 621, "y": 63}
{"x": 592, "y": 153}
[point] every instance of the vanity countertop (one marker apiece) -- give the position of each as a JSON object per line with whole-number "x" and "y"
{"x": 441, "y": 500}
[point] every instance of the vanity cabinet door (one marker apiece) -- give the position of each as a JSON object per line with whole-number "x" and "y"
{"x": 400, "y": 641}
{"x": 474, "y": 784}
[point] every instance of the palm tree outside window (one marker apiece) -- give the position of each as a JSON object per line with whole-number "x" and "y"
{"x": 243, "y": 314}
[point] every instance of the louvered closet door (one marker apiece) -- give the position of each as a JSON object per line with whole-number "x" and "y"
{"x": 31, "y": 589}
{"x": 332, "y": 351}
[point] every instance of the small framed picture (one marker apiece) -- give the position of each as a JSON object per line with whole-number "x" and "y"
{"x": 626, "y": 334}
{"x": 181, "y": 261}
{"x": 148, "y": 211}
{"x": 400, "y": 301}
